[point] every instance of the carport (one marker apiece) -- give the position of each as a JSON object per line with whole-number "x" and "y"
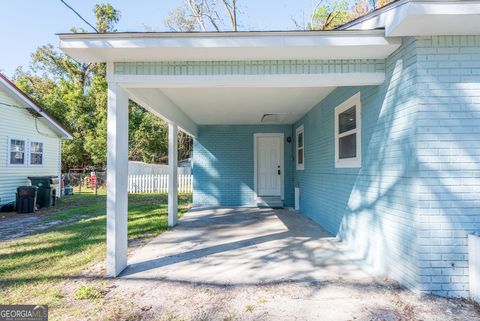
{"x": 196, "y": 79}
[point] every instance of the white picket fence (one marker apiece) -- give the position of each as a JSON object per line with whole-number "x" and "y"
{"x": 158, "y": 183}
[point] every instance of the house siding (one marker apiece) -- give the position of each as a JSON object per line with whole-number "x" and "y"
{"x": 223, "y": 165}
{"x": 448, "y": 148}
{"x": 372, "y": 208}
{"x": 255, "y": 67}
{"x": 17, "y": 122}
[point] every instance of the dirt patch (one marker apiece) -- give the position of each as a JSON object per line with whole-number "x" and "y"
{"x": 339, "y": 300}
{"x": 25, "y": 224}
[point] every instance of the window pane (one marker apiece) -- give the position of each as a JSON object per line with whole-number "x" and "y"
{"x": 17, "y": 152}
{"x": 36, "y": 147}
{"x": 300, "y": 139}
{"x": 17, "y": 158}
{"x": 36, "y": 158}
{"x": 17, "y": 145}
{"x": 347, "y": 146}
{"x": 347, "y": 120}
{"x": 300, "y": 156}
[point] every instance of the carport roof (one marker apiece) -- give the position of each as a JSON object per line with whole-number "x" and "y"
{"x": 158, "y": 70}
{"x": 274, "y": 45}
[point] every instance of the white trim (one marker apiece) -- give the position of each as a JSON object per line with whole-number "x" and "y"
{"x": 59, "y": 189}
{"x": 30, "y": 152}
{"x": 155, "y": 101}
{"x": 300, "y": 129}
{"x": 247, "y": 81}
{"x": 422, "y": 18}
{"x": 25, "y": 152}
{"x": 354, "y": 162}
{"x": 221, "y": 34}
{"x": 282, "y": 163}
{"x": 172, "y": 175}
{"x": 126, "y": 47}
{"x": 117, "y": 180}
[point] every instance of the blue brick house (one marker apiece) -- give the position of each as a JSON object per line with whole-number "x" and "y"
{"x": 375, "y": 125}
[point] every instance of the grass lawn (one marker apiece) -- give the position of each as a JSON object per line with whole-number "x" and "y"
{"x": 33, "y": 269}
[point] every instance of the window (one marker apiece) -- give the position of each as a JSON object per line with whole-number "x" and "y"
{"x": 16, "y": 151}
{"x": 36, "y": 153}
{"x": 348, "y": 133}
{"x": 300, "y": 148}
{"x": 23, "y": 152}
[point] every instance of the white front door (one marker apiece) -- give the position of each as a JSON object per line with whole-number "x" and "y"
{"x": 269, "y": 165}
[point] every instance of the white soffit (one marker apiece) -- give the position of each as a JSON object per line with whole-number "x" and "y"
{"x": 124, "y": 47}
{"x": 420, "y": 18}
{"x": 245, "y": 106}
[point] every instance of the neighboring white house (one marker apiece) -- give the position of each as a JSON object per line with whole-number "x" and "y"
{"x": 30, "y": 140}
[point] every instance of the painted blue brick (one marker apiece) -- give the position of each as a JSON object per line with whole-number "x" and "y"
{"x": 450, "y": 113}
{"x": 223, "y": 165}
{"x": 371, "y": 208}
{"x": 411, "y": 205}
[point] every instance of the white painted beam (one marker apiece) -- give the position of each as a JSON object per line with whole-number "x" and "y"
{"x": 158, "y": 103}
{"x": 172, "y": 175}
{"x": 117, "y": 179}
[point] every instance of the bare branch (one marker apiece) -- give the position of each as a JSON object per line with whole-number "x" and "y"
{"x": 231, "y": 10}
{"x": 197, "y": 15}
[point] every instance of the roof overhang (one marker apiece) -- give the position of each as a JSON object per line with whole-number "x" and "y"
{"x": 207, "y": 46}
{"x": 33, "y": 108}
{"x": 422, "y": 17}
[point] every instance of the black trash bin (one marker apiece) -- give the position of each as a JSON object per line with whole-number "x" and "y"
{"x": 46, "y": 189}
{"x": 26, "y": 199}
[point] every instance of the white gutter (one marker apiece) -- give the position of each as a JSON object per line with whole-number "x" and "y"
{"x": 422, "y": 18}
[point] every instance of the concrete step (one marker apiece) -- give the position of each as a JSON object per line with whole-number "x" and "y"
{"x": 269, "y": 201}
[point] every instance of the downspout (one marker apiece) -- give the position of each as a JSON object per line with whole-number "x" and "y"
{"x": 59, "y": 189}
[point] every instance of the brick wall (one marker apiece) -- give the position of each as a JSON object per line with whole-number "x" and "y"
{"x": 371, "y": 208}
{"x": 223, "y": 165}
{"x": 448, "y": 147}
{"x": 408, "y": 210}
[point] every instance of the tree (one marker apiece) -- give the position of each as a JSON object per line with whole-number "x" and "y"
{"x": 75, "y": 93}
{"x": 329, "y": 14}
{"x": 203, "y": 15}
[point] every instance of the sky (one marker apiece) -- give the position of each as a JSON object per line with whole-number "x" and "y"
{"x": 28, "y": 24}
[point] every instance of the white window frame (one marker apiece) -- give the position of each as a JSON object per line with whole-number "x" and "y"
{"x": 30, "y": 152}
{"x": 28, "y": 141}
{"x": 353, "y": 162}
{"x": 9, "y": 146}
{"x": 300, "y": 129}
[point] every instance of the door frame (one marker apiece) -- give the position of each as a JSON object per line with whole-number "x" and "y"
{"x": 282, "y": 162}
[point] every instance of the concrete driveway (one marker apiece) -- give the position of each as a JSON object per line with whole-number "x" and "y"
{"x": 242, "y": 246}
{"x": 262, "y": 265}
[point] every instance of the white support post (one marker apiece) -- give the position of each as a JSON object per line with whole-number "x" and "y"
{"x": 172, "y": 175}
{"x": 117, "y": 179}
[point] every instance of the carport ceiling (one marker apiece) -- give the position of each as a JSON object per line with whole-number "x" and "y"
{"x": 245, "y": 106}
